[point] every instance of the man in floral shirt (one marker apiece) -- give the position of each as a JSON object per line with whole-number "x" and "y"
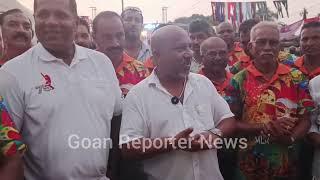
{"x": 11, "y": 146}
{"x": 272, "y": 109}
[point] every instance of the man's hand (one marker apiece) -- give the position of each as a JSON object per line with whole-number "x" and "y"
{"x": 204, "y": 141}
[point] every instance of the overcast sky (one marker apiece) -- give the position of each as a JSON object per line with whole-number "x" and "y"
{"x": 177, "y": 8}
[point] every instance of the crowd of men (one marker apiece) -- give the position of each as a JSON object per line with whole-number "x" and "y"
{"x": 166, "y": 105}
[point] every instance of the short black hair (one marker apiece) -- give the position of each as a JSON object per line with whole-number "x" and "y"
{"x": 246, "y": 26}
{"x": 84, "y": 23}
{"x": 201, "y": 26}
{"x": 313, "y": 24}
{"x": 72, "y": 4}
{"x": 9, "y": 12}
{"x": 134, "y": 9}
{"x": 104, "y": 14}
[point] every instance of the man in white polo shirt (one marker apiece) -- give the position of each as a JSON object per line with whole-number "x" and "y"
{"x": 314, "y": 133}
{"x": 62, "y": 98}
{"x": 171, "y": 106}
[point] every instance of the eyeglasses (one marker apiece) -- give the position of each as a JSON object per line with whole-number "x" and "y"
{"x": 263, "y": 42}
{"x": 214, "y": 54}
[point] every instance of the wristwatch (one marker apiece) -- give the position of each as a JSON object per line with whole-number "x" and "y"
{"x": 216, "y": 131}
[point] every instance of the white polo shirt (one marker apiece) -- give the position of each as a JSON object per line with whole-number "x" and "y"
{"x": 148, "y": 112}
{"x": 314, "y": 86}
{"x": 55, "y": 106}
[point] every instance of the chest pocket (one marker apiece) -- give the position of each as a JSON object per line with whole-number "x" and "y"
{"x": 98, "y": 95}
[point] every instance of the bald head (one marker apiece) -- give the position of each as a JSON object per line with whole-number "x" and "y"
{"x": 171, "y": 50}
{"x": 212, "y": 43}
{"x": 166, "y": 35}
{"x": 224, "y": 25}
{"x": 226, "y": 32}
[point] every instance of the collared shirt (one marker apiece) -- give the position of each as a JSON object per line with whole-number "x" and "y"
{"x": 130, "y": 72}
{"x": 11, "y": 141}
{"x": 63, "y": 112}
{"x": 299, "y": 64}
{"x": 149, "y": 64}
{"x": 221, "y": 87}
{"x": 149, "y": 113}
{"x": 260, "y": 100}
{"x": 244, "y": 61}
{"x": 144, "y": 53}
{"x": 235, "y": 54}
{"x": 315, "y": 126}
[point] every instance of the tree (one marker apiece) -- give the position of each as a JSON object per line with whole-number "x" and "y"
{"x": 304, "y": 13}
{"x": 188, "y": 20}
{"x": 266, "y": 14}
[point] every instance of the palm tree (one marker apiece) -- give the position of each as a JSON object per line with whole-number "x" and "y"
{"x": 266, "y": 14}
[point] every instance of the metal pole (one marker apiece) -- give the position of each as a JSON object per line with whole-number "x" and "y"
{"x": 122, "y": 3}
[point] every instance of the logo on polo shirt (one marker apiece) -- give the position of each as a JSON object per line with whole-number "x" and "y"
{"x": 47, "y": 85}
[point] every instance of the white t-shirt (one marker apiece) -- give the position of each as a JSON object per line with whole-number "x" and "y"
{"x": 148, "y": 112}
{"x": 55, "y": 106}
{"x": 314, "y": 86}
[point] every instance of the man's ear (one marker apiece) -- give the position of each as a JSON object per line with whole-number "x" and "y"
{"x": 250, "y": 47}
{"x": 155, "y": 57}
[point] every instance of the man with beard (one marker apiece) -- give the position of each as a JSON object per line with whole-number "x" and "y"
{"x": 199, "y": 30}
{"x": 133, "y": 24}
{"x": 225, "y": 31}
{"x": 109, "y": 36}
{"x": 214, "y": 52}
{"x": 166, "y": 104}
{"x": 61, "y": 95}
{"x": 245, "y": 60}
{"x": 17, "y": 34}
{"x": 83, "y": 36}
{"x": 272, "y": 109}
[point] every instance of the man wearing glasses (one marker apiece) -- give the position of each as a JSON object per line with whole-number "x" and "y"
{"x": 272, "y": 110}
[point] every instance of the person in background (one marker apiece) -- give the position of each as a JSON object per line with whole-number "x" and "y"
{"x": 17, "y": 33}
{"x": 83, "y": 36}
{"x": 214, "y": 52}
{"x": 166, "y": 104}
{"x": 11, "y": 146}
{"x": 272, "y": 109}
{"x": 226, "y": 32}
{"x": 133, "y": 25}
{"x": 109, "y": 35}
{"x": 245, "y": 60}
{"x": 58, "y": 94}
{"x": 199, "y": 30}
{"x": 314, "y": 133}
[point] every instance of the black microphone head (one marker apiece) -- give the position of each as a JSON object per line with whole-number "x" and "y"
{"x": 175, "y": 100}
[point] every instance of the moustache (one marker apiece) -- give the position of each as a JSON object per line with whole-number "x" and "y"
{"x": 20, "y": 35}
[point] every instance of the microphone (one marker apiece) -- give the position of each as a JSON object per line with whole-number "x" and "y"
{"x": 175, "y": 100}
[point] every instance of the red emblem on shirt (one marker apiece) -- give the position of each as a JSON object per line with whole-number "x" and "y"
{"x": 47, "y": 85}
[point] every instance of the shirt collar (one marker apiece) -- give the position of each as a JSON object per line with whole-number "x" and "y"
{"x": 47, "y": 56}
{"x": 299, "y": 63}
{"x": 281, "y": 70}
{"x": 126, "y": 59}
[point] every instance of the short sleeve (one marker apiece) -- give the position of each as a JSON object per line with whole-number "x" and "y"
{"x": 220, "y": 108}
{"x": 133, "y": 124}
{"x": 13, "y": 94}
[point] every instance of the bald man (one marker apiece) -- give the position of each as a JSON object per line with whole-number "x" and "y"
{"x": 214, "y": 53}
{"x": 226, "y": 32}
{"x": 172, "y": 118}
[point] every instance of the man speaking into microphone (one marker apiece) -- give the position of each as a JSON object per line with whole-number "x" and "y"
{"x": 173, "y": 106}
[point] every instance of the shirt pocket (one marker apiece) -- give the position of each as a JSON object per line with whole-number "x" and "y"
{"x": 203, "y": 116}
{"x": 99, "y": 96}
